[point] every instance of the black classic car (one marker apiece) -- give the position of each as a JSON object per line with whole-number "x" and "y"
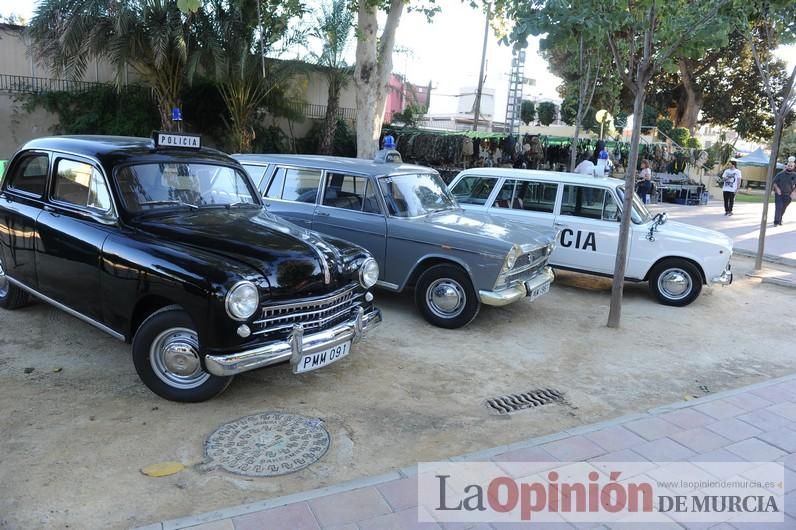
{"x": 165, "y": 244}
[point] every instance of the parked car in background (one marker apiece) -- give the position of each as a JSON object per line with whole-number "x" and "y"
{"x": 422, "y": 240}
{"x": 676, "y": 259}
{"x": 167, "y": 245}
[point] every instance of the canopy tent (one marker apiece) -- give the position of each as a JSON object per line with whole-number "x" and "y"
{"x": 756, "y": 158}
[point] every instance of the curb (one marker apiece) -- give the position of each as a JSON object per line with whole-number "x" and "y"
{"x": 790, "y": 262}
{"x": 410, "y": 471}
{"x": 780, "y": 281}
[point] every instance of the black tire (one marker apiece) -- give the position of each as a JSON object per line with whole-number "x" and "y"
{"x": 452, "y": 279}
{"x": 172, "y": 329}
{"x": 675, "y": 282}
{"x": 11, "y": 296}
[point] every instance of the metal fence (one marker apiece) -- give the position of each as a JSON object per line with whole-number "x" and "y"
{"x": 22, "y": 84}
{"x": 318, "y": 112}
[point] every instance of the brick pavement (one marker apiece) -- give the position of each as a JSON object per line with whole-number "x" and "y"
{"x": 755, "y": 423}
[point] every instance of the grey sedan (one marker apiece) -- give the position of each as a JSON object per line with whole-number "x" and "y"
{"x": 453, "y": 260}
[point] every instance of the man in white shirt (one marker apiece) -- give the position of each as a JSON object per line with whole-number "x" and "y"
{"x": 732, "y": 179}
{"x": 586, "y": 167}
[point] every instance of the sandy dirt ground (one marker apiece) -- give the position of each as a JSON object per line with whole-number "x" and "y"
{"x": 76, "y": 431}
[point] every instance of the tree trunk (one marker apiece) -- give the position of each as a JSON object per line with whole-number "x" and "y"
{"x": 326, "y": 144}
{"x": 615, "y": 313}
{"x": 779, "y": 123}
{"x": 372, "y": 72}
{"x": 690, "y": 103}
{"x": 573, "y": 151}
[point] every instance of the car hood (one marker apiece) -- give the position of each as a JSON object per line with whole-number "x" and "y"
{"x": 471, "y": 223}
{"x": 294, "y": 261}
{"x": 684, "y": 231}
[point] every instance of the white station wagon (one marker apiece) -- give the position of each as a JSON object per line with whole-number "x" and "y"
{"x": 677, "y": 259}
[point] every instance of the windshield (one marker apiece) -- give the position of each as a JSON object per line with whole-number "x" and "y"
{"x": 416, "y": 194}
{"x": 640, "y": 213}
{"x": 147, "y": 187}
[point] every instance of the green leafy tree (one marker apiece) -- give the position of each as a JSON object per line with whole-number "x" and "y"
{"x": 664, "y": 126}
{"x": 680, "y": 136}
{"x": 153, "y": 37}
{"x": 527, "y": 112}
{"x": 547, "y": 113}
{"x": 333, "y": 29}
{"x": 773, "y": 23}
{"x": 235, "y": 38}
{"x": 572, "y": 45}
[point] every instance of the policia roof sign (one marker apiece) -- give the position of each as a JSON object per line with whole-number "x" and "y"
{"x": 169, "y": 139}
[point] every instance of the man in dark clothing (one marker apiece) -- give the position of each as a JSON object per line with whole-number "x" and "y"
{"x": 784, "y": 183}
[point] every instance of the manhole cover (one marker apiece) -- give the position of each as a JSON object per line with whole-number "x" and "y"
{"x": 516, "y": 402}
{"x": 267, "y": 444}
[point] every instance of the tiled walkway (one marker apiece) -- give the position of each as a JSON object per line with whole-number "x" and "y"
{"x": 756, "y": 423}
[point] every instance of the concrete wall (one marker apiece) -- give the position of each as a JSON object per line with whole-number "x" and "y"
{"x": 17, "y": 126}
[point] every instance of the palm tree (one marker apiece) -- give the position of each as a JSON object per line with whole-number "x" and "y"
{"x": 233, "y": 35}
{"x": 153, "y": 37}
{"x": 334, "y": 30}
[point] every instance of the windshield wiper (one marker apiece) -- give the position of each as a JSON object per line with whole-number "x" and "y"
{"x": 175, "y": 202}
{"x": 238, "y": 204}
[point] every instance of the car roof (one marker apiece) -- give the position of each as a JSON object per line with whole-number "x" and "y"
{"x": 547, "y": 176}
{"x": 119, "y": 149}
{"x": 335, "y": 163}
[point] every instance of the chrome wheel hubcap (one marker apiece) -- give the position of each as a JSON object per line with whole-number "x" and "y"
{"x": 174, "y": 356}
{"x": 675, "y": 283}
{"x": 446, "y": 298}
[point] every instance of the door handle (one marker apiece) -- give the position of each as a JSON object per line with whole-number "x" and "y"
{"x": 48, "y": 208}
{"x": 559, "y": 225}
{"x": 267, "y": 204}
{"x": 322, "y": 214}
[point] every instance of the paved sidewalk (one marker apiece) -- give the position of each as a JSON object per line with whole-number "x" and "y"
{"x": 754, "y": 424}
{"x": 743, "y": 227}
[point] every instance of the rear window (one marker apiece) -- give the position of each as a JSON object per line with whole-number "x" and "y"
{"x": 30, "y": 175}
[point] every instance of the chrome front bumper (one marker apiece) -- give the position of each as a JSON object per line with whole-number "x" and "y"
{"x": 519, "y": 290}
{"x": 296, "y": 345}
{"x": 724, "y": 279}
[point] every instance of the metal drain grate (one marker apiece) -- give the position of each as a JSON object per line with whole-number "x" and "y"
{"x": 516, "y": 402}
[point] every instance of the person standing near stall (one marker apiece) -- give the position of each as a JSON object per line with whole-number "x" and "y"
{"x": 732, "y": 179}
{"x": 784, "y": 184}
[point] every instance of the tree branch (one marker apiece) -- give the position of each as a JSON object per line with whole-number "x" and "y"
{"x": 387, "y": 41}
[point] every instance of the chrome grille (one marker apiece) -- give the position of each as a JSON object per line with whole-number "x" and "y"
{"x": 525, "y": 268}
{"x": 311, "y": 314}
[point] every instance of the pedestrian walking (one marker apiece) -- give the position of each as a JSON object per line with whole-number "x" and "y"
{"x": 784, "y": 184}
{"x": 732, "y": 179}
{"x": 646, "y": 188}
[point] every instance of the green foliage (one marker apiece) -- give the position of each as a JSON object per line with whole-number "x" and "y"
{"x": 569, "y": 111}
{"x": 787, "y": 145}
{"x": 270, "y": 139}
{"x": 665, "y": 127}
{"x": 99, "y": 110}
{"x": 527, "y": 112}
{"x": 409, "y": 116}
{"x": 650, "y": 117}
{"x": 547, "y": 112}
{"x": 680, "y": 136}
{"x": 345, "y": 141}
{"x": 152, "y": 37}
{"x": 693, "y": 142}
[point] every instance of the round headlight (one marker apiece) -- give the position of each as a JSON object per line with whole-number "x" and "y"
{"x": 369, "y": 273}
{"x": 242, "y": 300}
{"x": 512, "y": 256}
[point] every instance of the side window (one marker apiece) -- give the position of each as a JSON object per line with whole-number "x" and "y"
{"x": 30, "y": 175}
{"x": 351, "y": 193}
{"x": 539, "y": 196}
{"x": 82, "y": 185}
{"x": 274, "y": 190}
{"x": 583, "y": 201}
{"x": 301, "y": 185}
{"x": 474, "y": 189}
{"x": 509, "y": 195}
{"x": 527, "y": 195}
{"x": 256, "y": 173}
{"x": 610, "y": 208}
